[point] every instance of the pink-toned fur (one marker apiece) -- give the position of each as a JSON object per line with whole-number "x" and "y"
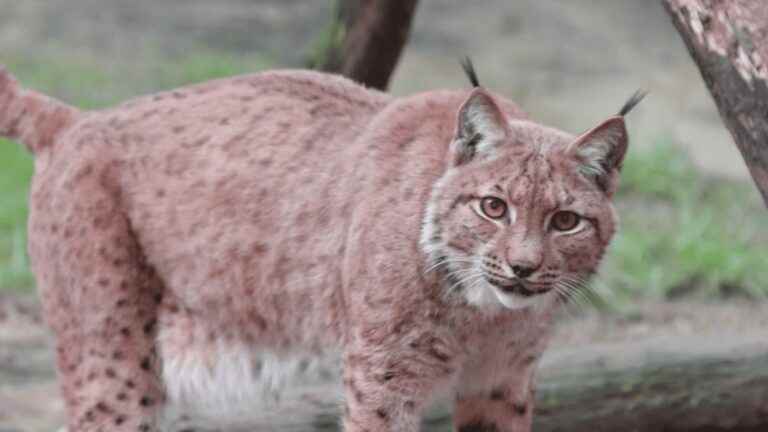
{"x": 178, "y": 235}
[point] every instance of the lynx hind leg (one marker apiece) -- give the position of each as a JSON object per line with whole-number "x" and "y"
{"x": 100, "y": 299}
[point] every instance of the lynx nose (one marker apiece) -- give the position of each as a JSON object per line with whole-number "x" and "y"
{"x": 523, "y": 270}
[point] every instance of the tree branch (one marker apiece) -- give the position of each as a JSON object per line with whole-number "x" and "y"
{"x": 365, "y": 40}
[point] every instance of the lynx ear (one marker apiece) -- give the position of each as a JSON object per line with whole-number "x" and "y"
{"x": 479, "y": 127}
{"x": 601, "y": 151}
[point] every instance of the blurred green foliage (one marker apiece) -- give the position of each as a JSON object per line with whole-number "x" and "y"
{"x": 681, "y": 234}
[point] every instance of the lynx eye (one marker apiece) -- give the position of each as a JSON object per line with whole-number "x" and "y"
{"x": 565, "y": 220}
{"x": 493, "y": 207}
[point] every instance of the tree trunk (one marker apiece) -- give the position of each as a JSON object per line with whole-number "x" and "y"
{"x": 365, "y": 40}
{"x": 728, "y": 40}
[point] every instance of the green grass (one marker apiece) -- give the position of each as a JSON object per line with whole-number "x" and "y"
{"x": 16, "y": 169}
{"x": 683, "y": 234}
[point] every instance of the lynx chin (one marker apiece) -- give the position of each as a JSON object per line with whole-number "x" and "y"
{"x": 188, "y": 244}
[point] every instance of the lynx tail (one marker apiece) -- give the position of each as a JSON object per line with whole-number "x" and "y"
{"x": 32, "y": 118}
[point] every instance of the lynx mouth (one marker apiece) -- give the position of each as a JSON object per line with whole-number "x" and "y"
{"x": 514, "y": 288}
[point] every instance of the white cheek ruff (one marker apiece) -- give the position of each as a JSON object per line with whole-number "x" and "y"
{"x": 513, "y": 301}
{"x": 491, "y": 299}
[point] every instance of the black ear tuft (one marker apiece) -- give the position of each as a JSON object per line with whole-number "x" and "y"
{"x": 632, "y": 102}
{"x": 469, "y": 69}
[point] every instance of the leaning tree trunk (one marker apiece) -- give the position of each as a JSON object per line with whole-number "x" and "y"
{"x": 728, "y": 40}
{"x": 365, "y": 40}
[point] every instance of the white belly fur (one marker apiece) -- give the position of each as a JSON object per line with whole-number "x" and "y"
{"x": 231, "y": 384}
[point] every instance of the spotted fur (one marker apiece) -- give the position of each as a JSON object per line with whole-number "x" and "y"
{"x": 187, "y": 244}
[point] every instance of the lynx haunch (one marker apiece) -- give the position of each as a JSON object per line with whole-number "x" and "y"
{"x": 179, "y": 236}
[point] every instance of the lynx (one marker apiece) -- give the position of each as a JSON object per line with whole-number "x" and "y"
{"x": 426, "y": 239}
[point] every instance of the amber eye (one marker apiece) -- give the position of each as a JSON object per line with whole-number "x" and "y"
{"x": 493, "y": 207}
{"x": 565, "y": 220}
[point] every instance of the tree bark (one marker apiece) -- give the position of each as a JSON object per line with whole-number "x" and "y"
{"x": 366, "y": 39}
{"x": 728, "y": 40}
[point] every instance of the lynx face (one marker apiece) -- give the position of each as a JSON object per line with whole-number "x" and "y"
{"x": 524, "y": 214}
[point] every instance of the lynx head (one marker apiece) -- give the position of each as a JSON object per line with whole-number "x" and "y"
{"x": 523, "y": 213}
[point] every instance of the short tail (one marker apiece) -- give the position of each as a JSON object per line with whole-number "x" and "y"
{"x": 32, "y": 118}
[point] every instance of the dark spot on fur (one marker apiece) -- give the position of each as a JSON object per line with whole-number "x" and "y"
{"x": 356, "y": 393}
{"x": 388, "y": 376}
{"x": 119, "y": 420}
{"x": 259, "y": 248}
{"x": 130, "y": 384}
{"x": 530, "y": 359}
{"x": 478, "y": 426}
{"x": 497, "y": 394}
{"x": 520, "y": 408}
{"x": 382, "y": 413}
{"x": 110, "y": 373}
{"x": 438, "y": 355}
{"x": 149, "y": 327}
{"x": 121, "y": 396}
{"x": 145, "y": 364}
{"x": 125, "y": 331}
{"x": 143, "y": 427}
{"x": 410, "y": 405}
{"x": 146, "y": 401}
{"x": 101, "y": 406}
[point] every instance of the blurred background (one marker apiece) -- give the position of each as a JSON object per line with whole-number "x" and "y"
{"x": 693, "y": 231}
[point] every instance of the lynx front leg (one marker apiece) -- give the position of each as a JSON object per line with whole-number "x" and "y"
{"x": 499, "y": 410}
{"x": 506, "y": 407}
{"x": 387, "y": 388}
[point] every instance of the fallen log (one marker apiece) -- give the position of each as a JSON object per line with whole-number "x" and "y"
{"x": 678, "y": 387}
{"x": 671, "y": 384}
